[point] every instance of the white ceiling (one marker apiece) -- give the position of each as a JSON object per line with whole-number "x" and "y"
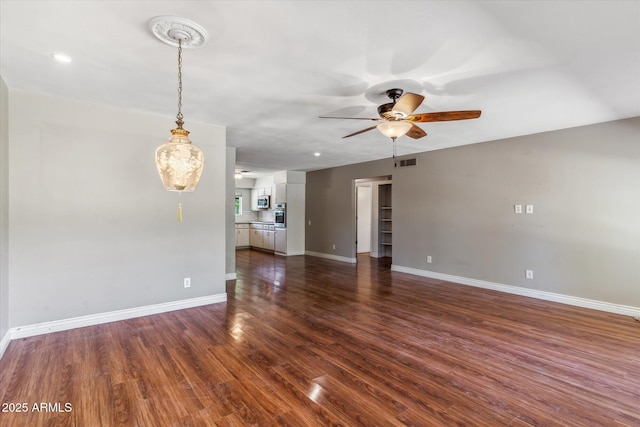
{"x": 270, "y": 68}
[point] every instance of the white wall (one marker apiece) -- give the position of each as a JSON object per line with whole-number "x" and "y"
{"x": 230, "y": 214}
{"x": 91, "y": 228}
{"x": 4, "y": 210}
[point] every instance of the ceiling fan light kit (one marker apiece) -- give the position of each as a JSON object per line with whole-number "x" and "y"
{"x": 179, "y": 162}
{"x": 397, "y": 118}
{"x": 394, "y": 129}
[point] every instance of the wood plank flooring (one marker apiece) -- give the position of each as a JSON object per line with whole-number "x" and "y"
{"x": 306, "y": 341}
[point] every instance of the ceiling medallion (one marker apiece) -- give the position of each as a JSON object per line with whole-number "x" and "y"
{"x": 169, "y": 29}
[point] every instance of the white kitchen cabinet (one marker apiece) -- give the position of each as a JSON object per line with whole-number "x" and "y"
{"x": 257, "y": 192}
{"x": 281, "y": 193}
{"x": 242, "y": 235}
{"x": 296, "y": 219}
{"x": 281, "y": 241}
{"x": 256, "y": 236}
{"x": 254, "y": 199}
{"x": 268, "y": 239}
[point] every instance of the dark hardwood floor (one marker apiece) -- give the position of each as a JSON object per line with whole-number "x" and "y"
{"x": 306, "y": 341}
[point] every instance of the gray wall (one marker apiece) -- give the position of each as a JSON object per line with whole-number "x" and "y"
{"x": 330, "y": 206}
{"x": 582, "y": 240}
{"x": 91, "y": 228}
{"x": 4, "y": 209}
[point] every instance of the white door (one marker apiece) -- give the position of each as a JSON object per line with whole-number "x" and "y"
{"x": 363, "y": 213}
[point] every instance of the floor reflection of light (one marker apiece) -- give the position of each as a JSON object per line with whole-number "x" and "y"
{"x": 237, "y": 328}
{"x": 276, "y": 282}
{"x": 315, "y": 392}
{"x": 237, "y": 332}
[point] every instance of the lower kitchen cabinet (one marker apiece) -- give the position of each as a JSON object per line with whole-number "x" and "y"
{"x": 255, "y": 238}
{"x": 242, "y": 235}
{"x": 268, "y": 240}
{"x": 262, "y": 236}
{"x": 281, "y": 241}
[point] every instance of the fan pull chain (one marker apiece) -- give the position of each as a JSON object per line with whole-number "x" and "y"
{"x": 179, "y": 206}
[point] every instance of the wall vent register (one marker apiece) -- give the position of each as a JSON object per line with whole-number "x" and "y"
{"x": 407, "y": 162}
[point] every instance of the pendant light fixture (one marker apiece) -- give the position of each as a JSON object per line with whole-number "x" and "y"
{"x": 178, "y": 161}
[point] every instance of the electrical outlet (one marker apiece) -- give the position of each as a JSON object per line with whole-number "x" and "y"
{"x": 429, "y": 259}
{"x": 528, "y": 274}
{"x": 334, "y": 246}
{"x": 187, "y": 282}
{"x": 517, "y": 209}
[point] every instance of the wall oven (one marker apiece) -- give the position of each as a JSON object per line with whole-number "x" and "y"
{"x": 280, "y": 214}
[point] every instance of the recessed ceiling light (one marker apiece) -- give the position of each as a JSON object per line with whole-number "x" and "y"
{"x": 316, "y": 154}
{"x": 62, "y": 57}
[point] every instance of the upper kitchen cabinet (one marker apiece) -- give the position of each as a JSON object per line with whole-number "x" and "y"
{"x": 261, "y": 192}
{"x": 281, "y": 193}
{"x": 263, "y": 187}
{"x": 283, "y": 181}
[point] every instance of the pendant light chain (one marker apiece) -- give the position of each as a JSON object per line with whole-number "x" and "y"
{"x": 179, "y": 122}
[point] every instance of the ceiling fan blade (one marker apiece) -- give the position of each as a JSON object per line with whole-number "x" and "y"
{"x": 408, "y": 103}
{"x": 416, "y": 132}
{"x": 348, "y": 118}
{"x": 444, "y": 116}
{"x": 360, "y": 131}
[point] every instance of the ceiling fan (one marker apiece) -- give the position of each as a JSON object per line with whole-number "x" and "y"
{"x": 397, "y": 118}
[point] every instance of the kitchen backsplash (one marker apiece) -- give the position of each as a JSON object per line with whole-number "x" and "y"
{"x": 267, "y": 216}
{"x": 247, "y": 216}
{"x": 264, "y": 216}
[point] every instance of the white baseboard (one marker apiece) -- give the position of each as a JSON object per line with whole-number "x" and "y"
{"x": 295, "y": 253}
{"x": 111, "y": 316}
{"x": 4, "y": 342}
{"x": 543, "y": 295}
{"x": 230, "y": 276}
{"x": 333, "y": 257}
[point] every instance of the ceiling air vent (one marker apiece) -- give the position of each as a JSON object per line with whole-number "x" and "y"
{"x": 406, "y": 162}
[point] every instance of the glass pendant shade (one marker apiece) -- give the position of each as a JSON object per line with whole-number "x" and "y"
{"x": 179, "y": 162}
{"x": 394, "y": 129}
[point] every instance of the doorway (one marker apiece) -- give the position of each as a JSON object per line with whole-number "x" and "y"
{"x": 372, "y": 217}
{"x": 363, "y": 218}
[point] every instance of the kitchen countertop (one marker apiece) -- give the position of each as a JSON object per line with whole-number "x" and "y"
{"x": 261, "y": 223}
{"x": 256, "y": 222}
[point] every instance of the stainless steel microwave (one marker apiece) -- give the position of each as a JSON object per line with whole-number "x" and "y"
{"x": 263, "y": 202}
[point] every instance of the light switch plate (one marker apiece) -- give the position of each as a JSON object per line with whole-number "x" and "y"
{"x": 529, "y": 209}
